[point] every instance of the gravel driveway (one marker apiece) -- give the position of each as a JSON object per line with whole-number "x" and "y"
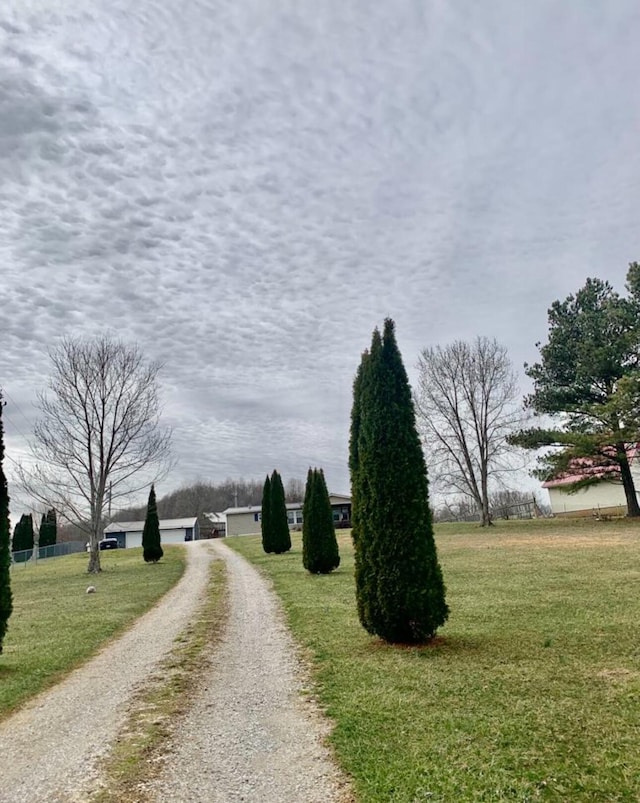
{"x": 248, "y": 737}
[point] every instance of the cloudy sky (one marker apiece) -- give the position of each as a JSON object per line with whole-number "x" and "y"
{"x": 245, "y": 188}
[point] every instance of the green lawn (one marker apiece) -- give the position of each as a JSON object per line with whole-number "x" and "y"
{"x": 56, "y": 625}
{"x": 530, "y": 692}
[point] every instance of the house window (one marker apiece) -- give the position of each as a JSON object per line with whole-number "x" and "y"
{"x": 298, "y": 517}
{"x": 257, "y": 516}
{"x": 290, "y": 519}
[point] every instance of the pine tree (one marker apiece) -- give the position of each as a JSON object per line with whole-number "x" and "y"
{"x": 151, "y": 548}
{"x": 6, "y": 598}
{"x": 278, "y": 525}
{"x": 399, "y": 585}
{"x": 320, "y": 553}
{"x": 265, "y": 517}
{"x": 587, "y": 380}
{"x": 48, "y": 529}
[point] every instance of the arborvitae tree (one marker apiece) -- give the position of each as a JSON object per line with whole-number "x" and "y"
{"x": 48, "y": 529}
{"x": 307, "y": 517}
{"x": 319, "y": 544}
{"x": 363, "y": 565}
{"x": 399, "y": 585}
{"x": 151, "y": 548}
{"x": 265, "y": 517}
{"x": 17, "y": 538}
{"x": 6, "y": 598}
{"x": 23, "y": 533}
{"x": 278, "y": 525}
{"x": 43, "y": 534}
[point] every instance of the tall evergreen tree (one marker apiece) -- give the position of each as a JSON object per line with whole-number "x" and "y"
{"x": 23, "y": 533}
{"x": 320, "y": 553}
{"x": 48, "y": 529}
{"x": 588, "y": 378}
{"x": 399, "y": 585}
{"x": 363, "y": 565}
{"x": 265, "y": 517}
{"x": 279, "y": 526}
{"x": 151, "y": 548}
{"x": 42, "y": 533}
{"x": 17, "y": 538}
{"x": 6, "y": 598}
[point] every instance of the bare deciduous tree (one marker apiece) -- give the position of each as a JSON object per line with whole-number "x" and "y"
{"x": 99, "y": 433}
{"x": 467, "y": 404}
{"x": 294, "y": 490}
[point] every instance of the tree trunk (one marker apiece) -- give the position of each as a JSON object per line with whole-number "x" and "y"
{"x": 486, "y": 515}
{"x": 94, "y": 551}
{"x": 94, "y": 562}
{"x": 633, "y": 509}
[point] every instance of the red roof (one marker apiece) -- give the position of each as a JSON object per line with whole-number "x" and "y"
{"x": 584, "y": 467}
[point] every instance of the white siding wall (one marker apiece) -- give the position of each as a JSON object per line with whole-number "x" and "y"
{"x": 166, "y": 537}
{"x": 243, "y": 523}
{"x": 133, "y": 539}
{"x": 605, "y": 495}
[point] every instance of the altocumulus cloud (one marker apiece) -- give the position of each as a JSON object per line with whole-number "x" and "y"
{"x": 247, "y": 188}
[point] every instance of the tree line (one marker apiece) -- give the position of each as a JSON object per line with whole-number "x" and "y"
{"x": 207, "y": 497}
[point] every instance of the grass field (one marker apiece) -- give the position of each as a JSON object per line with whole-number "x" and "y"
{"x": 56, "y": 625}
{"x": 530, "y": 692}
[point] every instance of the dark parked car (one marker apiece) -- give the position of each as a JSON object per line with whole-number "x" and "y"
{"x": 108, "y": 543}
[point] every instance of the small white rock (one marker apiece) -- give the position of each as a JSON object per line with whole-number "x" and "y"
{"x": 91, "y": 590}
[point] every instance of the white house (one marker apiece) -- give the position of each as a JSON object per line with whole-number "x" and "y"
{"x": 606, "y": 498}
{"x": 172, "y": 531}
{"x": 247, "y": 520}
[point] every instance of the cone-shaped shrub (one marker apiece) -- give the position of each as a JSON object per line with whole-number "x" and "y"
{"x": 6, "y": 598}
{"x": 364, "y": 569}
{"x": 23, "y": 533}
{"x": 265, "y": 517}
{"x": 278, "y": 525}
{"x": 319, "y": 545}
{"x": 151, "y": 547}
{"x": 399, "y": 586}
{"x": 48, "y": 529}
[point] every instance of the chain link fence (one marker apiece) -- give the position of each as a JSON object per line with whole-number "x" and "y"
{"x": 31, "y": 556}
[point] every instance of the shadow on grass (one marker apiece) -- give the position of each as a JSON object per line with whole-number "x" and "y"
{"x": 440, "y": 646}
